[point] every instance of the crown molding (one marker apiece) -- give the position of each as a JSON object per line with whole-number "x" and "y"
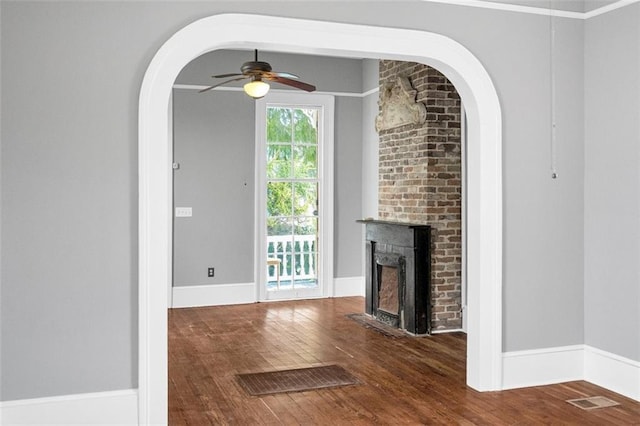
{"x": 609, "y": 8}
{"x": 484, "y": 4}
{"x": 239, "y": 89}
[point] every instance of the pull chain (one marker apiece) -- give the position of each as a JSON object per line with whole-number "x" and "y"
{"x": 552, "y": 70}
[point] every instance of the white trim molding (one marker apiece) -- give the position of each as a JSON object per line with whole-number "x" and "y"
{"x": 325, "y": 104}
{"x": 99, "y": 408}
{"x": 613, "y": 372}
{"x": 609, "y": 8}
{"x": 370, "y": 92}
{"x": 447, "y": 331}
{"x": 240, "y": 90}
{"x": 484, "y": 196}
{"x": 194, "y": 296}
{"x": 213, "y": 295}
{"x": 348, "y": 286}
{"x": 569, "y": 363}
{"x": 545, "y": 11}
{"x": 542, "y": 366}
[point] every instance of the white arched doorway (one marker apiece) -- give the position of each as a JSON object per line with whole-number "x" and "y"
{"x": 484, "y": 163}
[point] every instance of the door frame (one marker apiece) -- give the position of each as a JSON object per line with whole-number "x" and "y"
{"x": 484, "y": 155}
{"x": 325, "y": 187}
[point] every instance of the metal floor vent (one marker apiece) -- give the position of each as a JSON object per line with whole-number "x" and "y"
{"x": 593, "y": 402}
{"x": 296, "y": 380}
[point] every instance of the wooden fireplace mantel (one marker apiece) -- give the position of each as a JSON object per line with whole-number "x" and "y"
{"x": 410, "y": 243}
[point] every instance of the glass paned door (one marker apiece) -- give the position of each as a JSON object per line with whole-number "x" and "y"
{"x": 292, "y": 141}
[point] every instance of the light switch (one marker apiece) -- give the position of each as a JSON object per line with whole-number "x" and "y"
{"x": 183, "y": 212}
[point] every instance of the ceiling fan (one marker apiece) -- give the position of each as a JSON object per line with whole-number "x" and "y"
{"x": 258, "y": 72}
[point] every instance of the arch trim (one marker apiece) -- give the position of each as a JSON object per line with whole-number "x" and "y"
{"x": 484, "y": 162}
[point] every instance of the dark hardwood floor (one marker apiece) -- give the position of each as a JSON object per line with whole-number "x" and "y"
{"x": 404, "y": 381}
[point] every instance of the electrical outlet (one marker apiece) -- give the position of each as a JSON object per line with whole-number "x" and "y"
{"x": 210, "y": 272}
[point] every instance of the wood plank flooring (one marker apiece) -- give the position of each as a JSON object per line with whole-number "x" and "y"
{"x": 405, "y": 380}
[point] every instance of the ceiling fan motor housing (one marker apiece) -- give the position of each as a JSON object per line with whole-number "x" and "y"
{"x": 255, "y": 67}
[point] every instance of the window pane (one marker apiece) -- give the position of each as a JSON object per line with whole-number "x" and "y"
{"x": 306, "y": 226}
{"x": 305, "y": 253}
{"x": 278, "y": 124}
{"x": 305, "y": 129}
{"x": 278, "y": 227}
{"x": 305, "y": 199}
{"x": 278, "y": 161}
{"x": 305, "y": 161}
{"x": 279, "y": 197}
{"x": 286, "y": 269}
{"x": 286, "y": 278}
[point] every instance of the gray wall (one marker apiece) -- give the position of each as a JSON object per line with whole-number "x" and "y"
{"x": 370, "y": 81}
{"x": 543, "y": 241}
{"x": 612, "y": 182}
{"x": 214, "y": 143}
{"x": 71, "y": 75}
{"x": 348, "y": 242}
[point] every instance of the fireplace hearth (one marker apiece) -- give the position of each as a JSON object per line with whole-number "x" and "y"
{"x": 398, "y": 270}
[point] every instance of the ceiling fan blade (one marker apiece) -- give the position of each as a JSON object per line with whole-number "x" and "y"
{"x": 294, "y": 83}
{"x": 221, "y": 83}
{"x": 233, "y": 74}
{"x": 282, "y": 74}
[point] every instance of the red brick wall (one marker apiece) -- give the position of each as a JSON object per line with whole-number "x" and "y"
{"x": 420, "y": 181}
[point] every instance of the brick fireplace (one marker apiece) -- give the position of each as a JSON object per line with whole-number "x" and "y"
{"x": 420, "y": 182}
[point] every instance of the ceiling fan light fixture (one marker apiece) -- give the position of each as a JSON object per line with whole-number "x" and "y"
{"x": 256, "y": 88}
{"x": 256, "y": 71}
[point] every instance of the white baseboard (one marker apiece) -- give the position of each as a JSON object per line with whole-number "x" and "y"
{"x": 234, "y": 294}
{"x": 542, "y": 366}
{"x": 613, "y": 372}
{"x": 213, "y": 295}
{"x": 449, "y": 330}
{"x": 99, "y": 408}
{"x": 565, "y": 364}
{"x": 349, "y": 286}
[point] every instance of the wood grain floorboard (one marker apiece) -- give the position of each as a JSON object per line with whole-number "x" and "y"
{"x": 403, "y": 380}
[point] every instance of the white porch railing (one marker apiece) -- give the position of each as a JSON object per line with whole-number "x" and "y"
{"x": 297, "y": 255}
